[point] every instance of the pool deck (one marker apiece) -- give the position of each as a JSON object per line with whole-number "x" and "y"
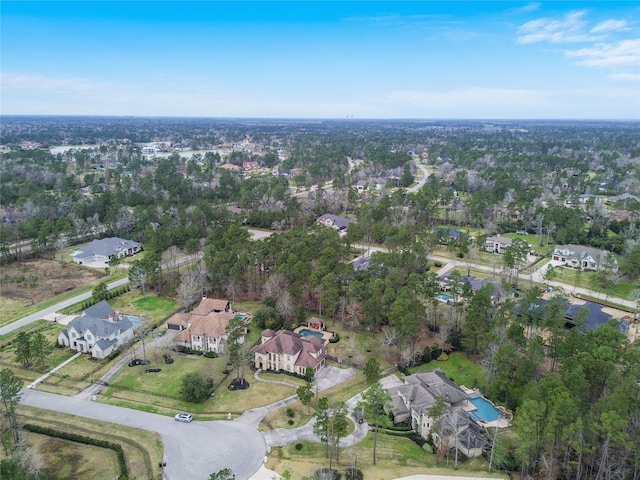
{"x": 499, "y": 423}
{"x": 325, "y": 335}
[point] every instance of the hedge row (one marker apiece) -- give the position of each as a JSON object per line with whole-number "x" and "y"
{"x": 396, "y": 433}
{"x": 116, "y": 292}
{"x": 74, "y": 437}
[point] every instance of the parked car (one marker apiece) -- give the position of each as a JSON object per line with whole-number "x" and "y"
{"x": 138, "y": 361}
{"x": 183, "y": 417}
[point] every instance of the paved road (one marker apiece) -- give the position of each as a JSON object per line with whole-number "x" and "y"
{"x": 192, "y": 450}
{"x": 50, "y": 312}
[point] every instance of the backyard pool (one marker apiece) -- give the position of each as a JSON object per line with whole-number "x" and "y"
{"x": 135, "y": 320}
{"x": 444, "y": 297}
{"x": 306, "y": 332}
{"x": 485, "y": 410}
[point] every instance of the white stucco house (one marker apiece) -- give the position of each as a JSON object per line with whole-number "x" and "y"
{"x": 584, "y": 258}
{"x": 97, "y": 336}
{"x": 497, "y": 244}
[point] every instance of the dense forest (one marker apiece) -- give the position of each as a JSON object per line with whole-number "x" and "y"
{"x": 576, "y": 397}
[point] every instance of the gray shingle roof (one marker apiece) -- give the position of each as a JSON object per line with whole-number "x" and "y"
{"x": 105, "y": 343}
{"x": 100, "y": 310}
{"x": 107, "y": 247}
{"x": 98, "y": 326}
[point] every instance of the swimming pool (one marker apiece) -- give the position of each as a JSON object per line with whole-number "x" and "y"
{"x": 306, "y": 332}
{"x": 444, "y": 297}
{"x": 485, "y": 410}
{"x": 135, "y": 320}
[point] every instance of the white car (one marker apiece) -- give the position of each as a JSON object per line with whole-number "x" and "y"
{"x": 183, "y": 417}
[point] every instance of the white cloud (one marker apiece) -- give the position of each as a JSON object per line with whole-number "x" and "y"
{"x": 530, "y": 7}
{"x": 622, "y": 54}
{"x": 610, "y": 26}
{"x": 571, "y": 28}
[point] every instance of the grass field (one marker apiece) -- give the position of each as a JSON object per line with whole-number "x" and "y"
{"x": 141, "y": 447}
{"x": 590, "y": 280}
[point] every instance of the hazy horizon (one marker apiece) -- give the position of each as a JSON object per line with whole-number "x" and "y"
{"x": 494, "y": 61}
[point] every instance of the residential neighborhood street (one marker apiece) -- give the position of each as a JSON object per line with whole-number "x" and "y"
{"x": 50, "y": 314}
{"x": 191, "y": 450}
{"x": 197, "y": 449}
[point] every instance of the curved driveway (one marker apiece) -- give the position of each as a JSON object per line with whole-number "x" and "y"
{"x": 191, "y": 450}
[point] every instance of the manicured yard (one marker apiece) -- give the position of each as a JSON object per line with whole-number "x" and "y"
{"x": 459, "y": 368}
{"x": 160, "y": 392}
{"x": 150, "y": 306}
{"x": 396, "y": 457}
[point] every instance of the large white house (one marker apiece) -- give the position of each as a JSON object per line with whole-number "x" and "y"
{"x": 584, "y": 258}
{"x": 497, "y": 244}
{"x": 102, "y": 250}
{"x": 95, "y": 335}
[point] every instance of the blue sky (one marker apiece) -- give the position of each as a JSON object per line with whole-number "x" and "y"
{"x": 420, "y": 59}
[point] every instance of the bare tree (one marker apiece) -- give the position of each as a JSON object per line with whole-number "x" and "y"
{"x": 285, "y": 306}
{"x": 203, "y": 274}
{"x": 275, "y": 286}
{"x": 390, "y": 337}
{"x": 189, "y": 289}
{"x": 170, "y": 258}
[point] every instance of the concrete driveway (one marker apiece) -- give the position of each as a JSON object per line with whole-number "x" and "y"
{"x": 192, "y": 450}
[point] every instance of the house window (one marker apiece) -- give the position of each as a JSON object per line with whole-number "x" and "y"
{"x": 73, "y": 335}
{"x": 88, "y": 337}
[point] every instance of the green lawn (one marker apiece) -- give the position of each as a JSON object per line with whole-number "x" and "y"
{"x": 459, "y": 368}
{"x": 395, "y": 457}
{"x": 150, "y": 306}
{"x": 591, "y": 280}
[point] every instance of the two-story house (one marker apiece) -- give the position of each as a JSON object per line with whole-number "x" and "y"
{"x": 205, "y": 327}
{"x": 413, "y": 400}
{"x": 98, "y": 336}
{"x": 334, "y": 221}
{"x": 584, "y": 258}
{"x": 289, "y": 351}
{"x": 497, "y": 244}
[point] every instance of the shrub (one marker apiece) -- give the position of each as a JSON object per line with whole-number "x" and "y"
{"x": 290, "y": 422}
{"x": 353, "y": 474}
{"x": 335, "y": 338}
{"x": 211, "y": 355}
{"x": 290, "y": 413}
{"x": 443, "y": 357}
{"x": 298, "y": 446}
